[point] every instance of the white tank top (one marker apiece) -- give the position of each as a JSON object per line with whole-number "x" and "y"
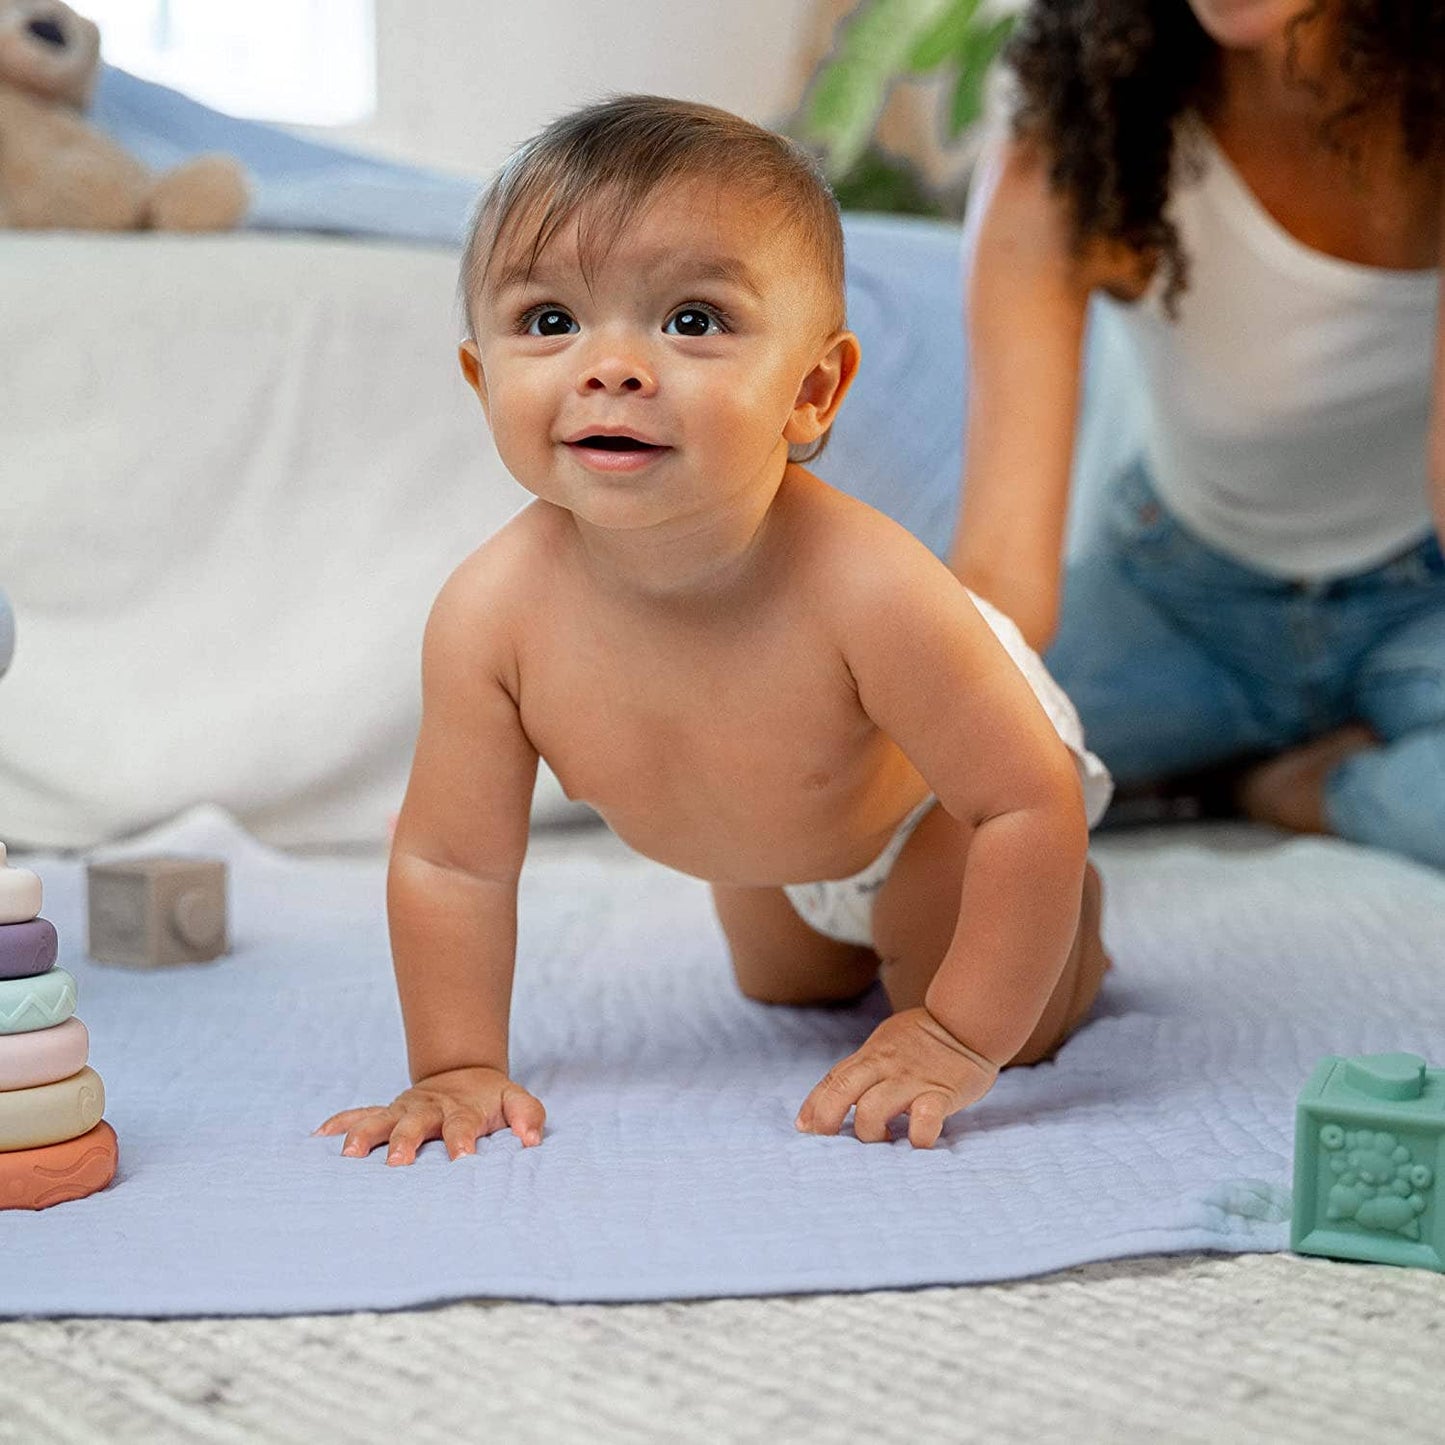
{"x": 1290, "y": 401}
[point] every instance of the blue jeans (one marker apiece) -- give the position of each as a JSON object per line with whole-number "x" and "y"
{"x": 1179, "y": 657}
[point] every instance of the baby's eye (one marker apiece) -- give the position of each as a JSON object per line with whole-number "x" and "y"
{"x": 695, "y": 321}
{"x": 549, "y": 321}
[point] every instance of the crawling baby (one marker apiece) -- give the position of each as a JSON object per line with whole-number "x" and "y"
{"x": 752, "y": 677}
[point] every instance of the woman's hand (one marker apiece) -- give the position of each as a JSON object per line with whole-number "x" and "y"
{"x": 458, "y": 1107}
{"x": 910, "y": 1065}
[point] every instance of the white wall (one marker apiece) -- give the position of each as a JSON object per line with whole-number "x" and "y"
{"x": 461, "y": 82}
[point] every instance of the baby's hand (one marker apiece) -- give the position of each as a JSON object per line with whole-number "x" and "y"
{"x": 457, "y": 1107}
{"x": 910, "y": 1065}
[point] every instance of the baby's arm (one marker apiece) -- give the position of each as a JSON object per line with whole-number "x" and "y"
{"x": 933, "y": 676}
{"x": 452, "y": 888}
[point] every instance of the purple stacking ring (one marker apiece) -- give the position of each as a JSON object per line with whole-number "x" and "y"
{"x": 27, "y": 949}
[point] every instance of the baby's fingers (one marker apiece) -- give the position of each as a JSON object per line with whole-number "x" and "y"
{"x": 925, "y": 1119}
{"x": 413, "y": 1129}
{"x": 366, "y": 1132}
{"x": 525, "y": 1115}
{"x": 340, "y": 1123}
{"x": 884, "y": 1101}
{"x": 460, "y": 1131}
{"x": 839, "y": 1089}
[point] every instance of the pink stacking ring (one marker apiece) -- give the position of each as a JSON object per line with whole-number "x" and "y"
{"x": 43, "y": 1055}
{"x": 27, "y": 948}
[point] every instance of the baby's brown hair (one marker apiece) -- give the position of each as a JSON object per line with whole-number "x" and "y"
{"x": 602, "y": 163}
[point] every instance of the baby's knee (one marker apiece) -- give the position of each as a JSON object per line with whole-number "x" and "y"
{"x": 815, "y": 988}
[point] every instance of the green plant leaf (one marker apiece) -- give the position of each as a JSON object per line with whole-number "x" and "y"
{"x": 945, "y": 39}
{"x": 872, "y": 50}
{"x": 983, "y": 47}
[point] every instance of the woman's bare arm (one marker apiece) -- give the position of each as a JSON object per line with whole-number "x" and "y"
{"x": 1027, "y": 299}
{"x": 1437, "y": 413}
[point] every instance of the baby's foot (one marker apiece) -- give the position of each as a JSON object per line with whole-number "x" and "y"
{"x": 1289, "y": 790}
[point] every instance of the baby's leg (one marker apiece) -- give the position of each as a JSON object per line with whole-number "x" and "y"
{"x": 917, "y": 912}
{"x": 779, "y": 959}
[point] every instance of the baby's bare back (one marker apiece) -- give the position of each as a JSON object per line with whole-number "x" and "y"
{"x": 723, "y": 737}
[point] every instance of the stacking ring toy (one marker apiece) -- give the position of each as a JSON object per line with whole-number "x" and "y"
{"x": 20, "y": 894}
{"x": 52, "y": 1113}
{"x": 36, "y": 1003}
{"x": 27, "y": 948}
{"x": 43, "y": 1056}
{"x": 38, "y": 1178}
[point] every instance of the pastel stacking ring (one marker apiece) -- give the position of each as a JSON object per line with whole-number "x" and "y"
{"x": 20, "y": 894}
{"x": 27, "y": 948}
{"x": 36, "y": 1003}
{"x": 53, "y": 1113}
{"x": 38, "y": 1178}
{"x": 43, "y": 1056}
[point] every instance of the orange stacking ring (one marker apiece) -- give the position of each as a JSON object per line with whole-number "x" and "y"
{"x": 38, "y": 1178}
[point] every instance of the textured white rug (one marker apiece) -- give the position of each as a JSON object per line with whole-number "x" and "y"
{"x": 1255, "y": 1348}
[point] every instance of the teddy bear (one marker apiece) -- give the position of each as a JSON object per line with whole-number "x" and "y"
{"x": 57, "y": 171}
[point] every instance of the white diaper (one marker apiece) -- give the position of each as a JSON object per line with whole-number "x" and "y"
{"x": 842, "y": 908}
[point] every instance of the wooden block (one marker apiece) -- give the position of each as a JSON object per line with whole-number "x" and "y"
{"x": 149, "y": 912}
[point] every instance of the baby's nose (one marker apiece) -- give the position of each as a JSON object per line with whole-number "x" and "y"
{"x": 618, "y": 373}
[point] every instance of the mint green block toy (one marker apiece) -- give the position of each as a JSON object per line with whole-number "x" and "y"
{"x": 1369, "y": 1148}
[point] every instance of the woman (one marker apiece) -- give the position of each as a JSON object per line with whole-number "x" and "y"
{"x": 1257, "y": 185}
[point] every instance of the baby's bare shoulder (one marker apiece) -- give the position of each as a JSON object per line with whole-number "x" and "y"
{"x": 856, "y": 552}
{"x": 505, "y": 572}
{"x": 491, "y": 593}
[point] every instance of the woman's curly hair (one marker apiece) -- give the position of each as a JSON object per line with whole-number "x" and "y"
{"x": 1101, "y": 83}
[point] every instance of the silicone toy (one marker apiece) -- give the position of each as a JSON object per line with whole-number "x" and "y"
{"x": 38, "y": 1178}
{"x": 20, "y": 893}
{"x": 51, "y": 1113}
{"x": 1369, "y": 1150}
{"x": 36, "y": 1003}
{"x": 27, "y": 948}
{"x": 54, "y": 1146}
{"x": 43, "y": 1055}
{"x": 152, "y": 911}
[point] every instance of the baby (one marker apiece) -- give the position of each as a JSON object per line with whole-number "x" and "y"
{"x": 752, "y": 677}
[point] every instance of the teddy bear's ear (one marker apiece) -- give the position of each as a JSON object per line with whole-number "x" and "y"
{"x": 48, "y": 49}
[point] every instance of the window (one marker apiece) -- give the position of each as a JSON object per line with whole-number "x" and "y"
{"x": 309, "y": 62}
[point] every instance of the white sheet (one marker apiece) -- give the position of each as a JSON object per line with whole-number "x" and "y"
{"x": 235, "y": 471}
{"x": 670, "y": 1166}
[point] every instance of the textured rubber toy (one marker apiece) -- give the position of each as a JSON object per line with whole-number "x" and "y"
{"x": 38, "y": 1178}
{"x": 43, "y": 1056}
{"x": 27, "y": 948}
{"x": 36, "y": 1003}
{"x": 1369, "y": 1155}
{"x": 52, "y": 1113}
{"x": 20, "y": 895}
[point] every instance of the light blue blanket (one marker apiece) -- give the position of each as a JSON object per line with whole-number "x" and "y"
{"x": 670, "y": 1167}
{"x": 297, "y": 184}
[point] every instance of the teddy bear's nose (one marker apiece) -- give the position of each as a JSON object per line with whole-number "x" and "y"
{"x": 48, "y": 31}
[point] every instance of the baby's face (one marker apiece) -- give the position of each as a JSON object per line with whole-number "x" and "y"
{"x": 669, "y": 384}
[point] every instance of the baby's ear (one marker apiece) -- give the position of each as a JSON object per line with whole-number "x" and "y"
{"x": 823, "y": 390}
{"x": 471, "y": 360}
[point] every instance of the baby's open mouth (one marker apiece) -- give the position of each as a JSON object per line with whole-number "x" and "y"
{"x": 617, "y": 444}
